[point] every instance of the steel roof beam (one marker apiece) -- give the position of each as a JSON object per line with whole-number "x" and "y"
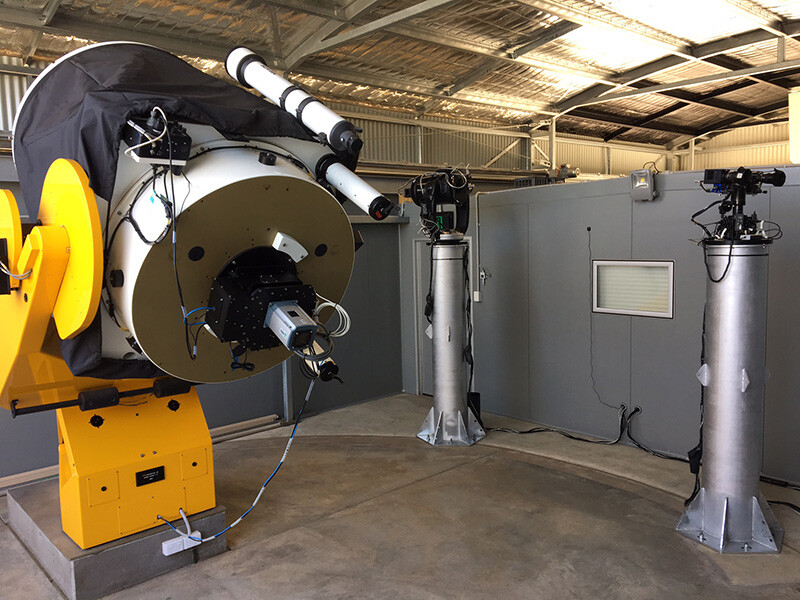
{"x": 475, "y": 75}
{"x": 378, "y": 24}
{"x": 688, "y": 98}
{"x": 702, "y": 51}
{"x": 546, "y": 36}
{"x": 383, "y": 118}
{"x": 66, "y": 25}
{"x": 644, "y": 121}
{"x": 609, "y": 119}
{"x": 761, "y": 16}
{"x": 731, "y": 123}
{"x": 490, "y": 65}
{"x": 358, "y": 78}
{"x": 709, "y": 100}
{"x": 728, "y": 62}
{"x": 318, "y": 8}
{"x": 307, "y": 46}
{"x": 537, "y": 62}
{"x": 676, "y": 85}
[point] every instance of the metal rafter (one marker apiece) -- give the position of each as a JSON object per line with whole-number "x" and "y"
{"x": 676, "y": 85}
{"x": 471, "y": 47}
{"x": 704, "y": 52}
{"x": 687, "y": 98}
{"x": 377, "y": 24}
{"x": 358, "y": 78}
{"x": 728, "y": 62}
{"x": 611, "y": 119}
{"x": 307, "y": 46}
{"x": 710, "y": 99}
{"x": 646, "y": 120}
{"x": 490, "y": 65}
{"x": 318, "y": 8}
{"x": 728, "y": 123}
{"x": 276, "y": 31}
{"x": 545, "y": 36}
{"x": 67, "y": 25}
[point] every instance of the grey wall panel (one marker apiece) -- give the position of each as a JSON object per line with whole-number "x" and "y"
{"x": 27, "y": 442}
{"x": 782, "y": 411}
{"x": 560, "y": 311}
{"x": 666, "y": 352}
{"x": 411, "y": 290}
{"x": 501, "y": 318}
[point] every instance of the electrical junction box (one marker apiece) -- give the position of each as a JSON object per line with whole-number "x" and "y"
{"x": 643, "y": 185}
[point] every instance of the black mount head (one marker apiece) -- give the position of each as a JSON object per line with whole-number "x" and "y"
{"x": 443, "y": 197}
{"x": 736, "y": 185}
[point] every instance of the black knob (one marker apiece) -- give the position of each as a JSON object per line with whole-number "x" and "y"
{"x": 267, "y": 158}
{"x": 116, "y": 278}
{"x": 96, "y": 421}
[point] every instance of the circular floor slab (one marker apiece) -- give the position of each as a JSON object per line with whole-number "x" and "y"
{"x": 382, "y": 517}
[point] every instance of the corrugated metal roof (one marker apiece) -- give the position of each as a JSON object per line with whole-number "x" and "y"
{"x": 573, "y": 47}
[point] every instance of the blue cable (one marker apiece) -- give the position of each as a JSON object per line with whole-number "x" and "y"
{"x": 195, "y": 310}
{"x": 258, "y": 496}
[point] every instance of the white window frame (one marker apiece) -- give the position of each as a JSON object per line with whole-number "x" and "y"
{"x": 670, "y": 265}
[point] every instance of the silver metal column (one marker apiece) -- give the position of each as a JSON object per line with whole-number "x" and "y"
{"x": 729, "y": 513}
{"x": 450, "y": 422}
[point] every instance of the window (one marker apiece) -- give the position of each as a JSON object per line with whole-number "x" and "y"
{"x": 633, "y": 287}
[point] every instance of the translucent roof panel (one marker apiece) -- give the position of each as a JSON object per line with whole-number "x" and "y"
{"x": 603, "y": 48}
{"x": 697, "y": 21}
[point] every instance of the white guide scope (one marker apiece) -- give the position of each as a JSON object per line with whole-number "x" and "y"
{"x": 250, "y": 69}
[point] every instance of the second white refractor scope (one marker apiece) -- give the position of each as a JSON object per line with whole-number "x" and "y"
{"x": 249, "y": 69}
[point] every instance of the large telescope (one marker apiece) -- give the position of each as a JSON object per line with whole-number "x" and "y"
{"x": 185, "y": 235}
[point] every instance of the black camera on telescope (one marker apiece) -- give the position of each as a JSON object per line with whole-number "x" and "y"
{"x": 734, "y": 225}
{"x": 748, "y": 181}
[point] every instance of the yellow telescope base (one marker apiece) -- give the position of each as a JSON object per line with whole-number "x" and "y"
{"x": 123, "y": 466}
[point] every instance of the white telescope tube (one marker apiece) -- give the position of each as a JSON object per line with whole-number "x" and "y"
{"x": 249, "y": 69}
{"x": 319, "y": 160}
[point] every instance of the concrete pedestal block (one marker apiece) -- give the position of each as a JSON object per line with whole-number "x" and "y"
{"x": 34, "y": 515}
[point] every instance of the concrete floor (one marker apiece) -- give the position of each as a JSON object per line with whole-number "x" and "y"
{"x": 362, "y": 509}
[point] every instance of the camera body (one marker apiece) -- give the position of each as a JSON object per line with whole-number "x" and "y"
{"x": 443, "y": 197}
{"x": 736, "y": 185}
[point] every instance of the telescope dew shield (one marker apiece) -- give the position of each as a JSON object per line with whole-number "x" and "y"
{"x": 250, "y": 70}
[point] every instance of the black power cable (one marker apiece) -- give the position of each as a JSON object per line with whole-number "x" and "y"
{"x": 543, "y": 429}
